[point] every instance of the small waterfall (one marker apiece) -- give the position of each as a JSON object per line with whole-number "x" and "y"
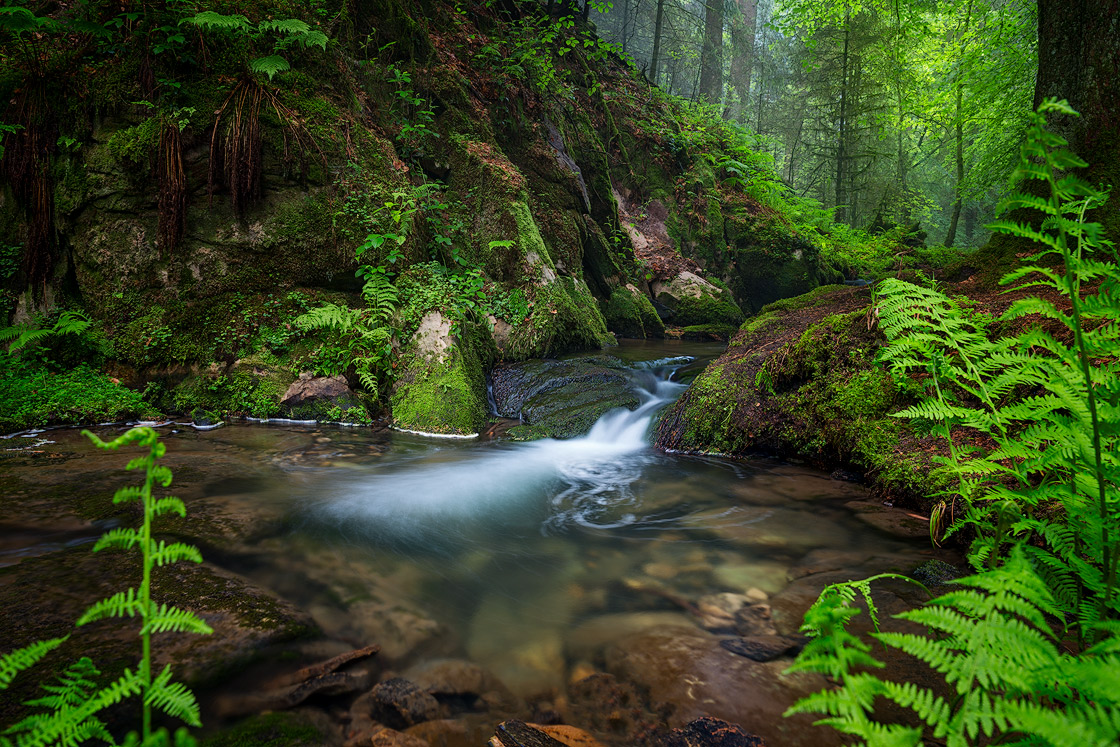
{"x": 571, "y": 480}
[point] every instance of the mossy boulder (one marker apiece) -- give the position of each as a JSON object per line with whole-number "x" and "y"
{"x": 441, "y": 379}
{"x": 800, "y": 380}
{"x": 694, "y": 300}
{"x": 561, "y": 399}
{"x": 564, "y": 317}
{"x": 629, "y": 313}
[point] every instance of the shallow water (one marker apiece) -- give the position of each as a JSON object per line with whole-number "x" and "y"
{"x": 504, "y": 553}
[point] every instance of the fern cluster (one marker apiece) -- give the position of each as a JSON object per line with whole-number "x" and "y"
{"x": 67, "y": 714}
{"x": 26, "y": 335}
{"x": 1042, "y": 504}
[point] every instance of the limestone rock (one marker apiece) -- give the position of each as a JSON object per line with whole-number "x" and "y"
{"x": 695, "y": 301}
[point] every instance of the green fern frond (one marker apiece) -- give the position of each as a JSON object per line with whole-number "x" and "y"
{"x": 270, "y": 65}
{"x": 209, "y": 19}
{"x": 122, "y": 604}
{"x": 121, "y": 538}
{"x": 162, "y": 553}
{"x": 173, "y": 619}
{"x": 14, "y": 662}
{"x": 173, "y": 698}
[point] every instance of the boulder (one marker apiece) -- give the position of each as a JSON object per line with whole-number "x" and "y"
{"x": 688, "y": 675}
{"x": 440, "y": 385}
{"x": 561, "y": 399}
{"x": 313, "y": 397}
{"x": 696, "y": 301}
{"x": 762, "y": 647}
{"x": 630, "y": 313}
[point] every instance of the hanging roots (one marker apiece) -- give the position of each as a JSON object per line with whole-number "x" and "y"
{"x": 172, "y": 186}
{"x": 235, "y": 143}
{"x": 26, "y": 167}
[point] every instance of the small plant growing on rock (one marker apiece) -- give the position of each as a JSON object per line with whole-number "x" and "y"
{"x": 71, "y": 707}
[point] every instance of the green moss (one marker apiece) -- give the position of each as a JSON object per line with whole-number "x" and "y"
{"x": 132, "y": 146}
{"x": 35, "y": 396}
{"x": 631, "y": 314}
{"x": 708, "y": 331}
{"x": 269, "y": 730}
{"x": 446, "y": 392}
{"x": 707, "y": 310}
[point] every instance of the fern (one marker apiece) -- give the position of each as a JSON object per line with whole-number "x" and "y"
{"x": 1042, "y": 502}
{"x": 26, "y": 335}
{"x": 14, "y": 662}
{"x": 270, "y": 65}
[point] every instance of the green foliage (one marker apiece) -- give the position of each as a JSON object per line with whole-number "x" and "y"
{"x": 67, "y": 714}
{"x": 284, "y": 32}
{"x": 1049, "y": 490}
{"x": 33, "y": 395}
{"x": 991, "y": 641}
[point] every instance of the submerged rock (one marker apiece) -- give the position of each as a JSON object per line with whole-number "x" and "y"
{"x": 562, "y": 399}
{"x": 399, "y": 703}
{"x": 705, "y": 732}
{"x": 688, "y": 675}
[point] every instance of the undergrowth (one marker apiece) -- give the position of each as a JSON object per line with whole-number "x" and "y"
{"x": 1029, "y": 645}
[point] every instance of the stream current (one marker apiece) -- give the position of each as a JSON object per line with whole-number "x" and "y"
{"x": 542, "y": 561}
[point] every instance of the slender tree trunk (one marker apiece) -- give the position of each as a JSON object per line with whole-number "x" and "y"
{"x": 625, "y": 23}
{"x": 958, "y": 203}
{"x": 742, "y": 50}
{"x": 711, "y": 53}
{"x": 842, "y": 129}
{"x": 655, "y": 62}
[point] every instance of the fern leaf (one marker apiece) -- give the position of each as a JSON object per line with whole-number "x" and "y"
{"x": 121, "y": 604}
{"x": 173, "y": 698}
{"x": 121, "y": 538}
{"x": 172, "y": 619}
{"x": 163, "y": 553}
{"x": 14, "y": 662}
{"x": 270, "y": 65}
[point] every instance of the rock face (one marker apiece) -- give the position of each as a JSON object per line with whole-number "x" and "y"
{"x": 561, "y": 399}
{"x": 312, "y": 397}
{"x": 688, "y": 674}
{"x": 398, "y": 703}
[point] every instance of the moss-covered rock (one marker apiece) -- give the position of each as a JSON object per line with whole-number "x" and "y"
{"x": 561, "y": 399}
{"x": 269, "y": 730}
{"x": 629, "y": 313}
{"x": 694, "y": 300}
{"x": 441, "y": 380}
{"x": 800, "y": 380}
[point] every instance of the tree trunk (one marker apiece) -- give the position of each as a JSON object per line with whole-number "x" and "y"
{"x": 1079, "y": 61}
{"x": 842, "y": 130}
{"x": 742, "y": 50}
{"x": 655, "y": 62}
{"x": 711, "y": 53}
{"x": 958, "y": 203}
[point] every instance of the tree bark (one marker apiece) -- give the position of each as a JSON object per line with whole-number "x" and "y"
{"x": 742, "y": 50}
{"x": 711, "y": 53}
{"x": 842, "y": 196}
{"x": 958, "y": 203}
{"x": 655, "y": 62}
{"x": 1079, "y": 61}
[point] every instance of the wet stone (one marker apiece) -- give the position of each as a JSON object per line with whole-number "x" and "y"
{"x": 398, "y": 703}
{"x": 761, "y": 647}
{"x": 705, "y": 732}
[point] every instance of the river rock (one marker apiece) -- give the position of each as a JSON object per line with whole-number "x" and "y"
{"x": 310, "y": 397}
{"x": 520, "y": 639}
{"x": 754, "y": 619}
{"x": 891, "y": 520}
{"x": 705, "y": 732}
{"x": 562, "y": 399}
{"x": 762, "y": 575}
{"x": 689, "y": 675}
{"x": 694, "y": 300}
{"x": 398, "y": 703}
{"x": 470, "y": 730}
{"x": 394, "y": 738}
{"x": 770, "y": 528}
{"x": 762, "y": 647}
{"x": 610, "y": 708}
{"x": 246, "y": 619}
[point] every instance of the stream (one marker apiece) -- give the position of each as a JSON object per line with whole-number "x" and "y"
{"x": 542, "y": 562}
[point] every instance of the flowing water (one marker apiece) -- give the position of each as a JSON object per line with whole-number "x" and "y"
{"x": 532, "y": 559}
